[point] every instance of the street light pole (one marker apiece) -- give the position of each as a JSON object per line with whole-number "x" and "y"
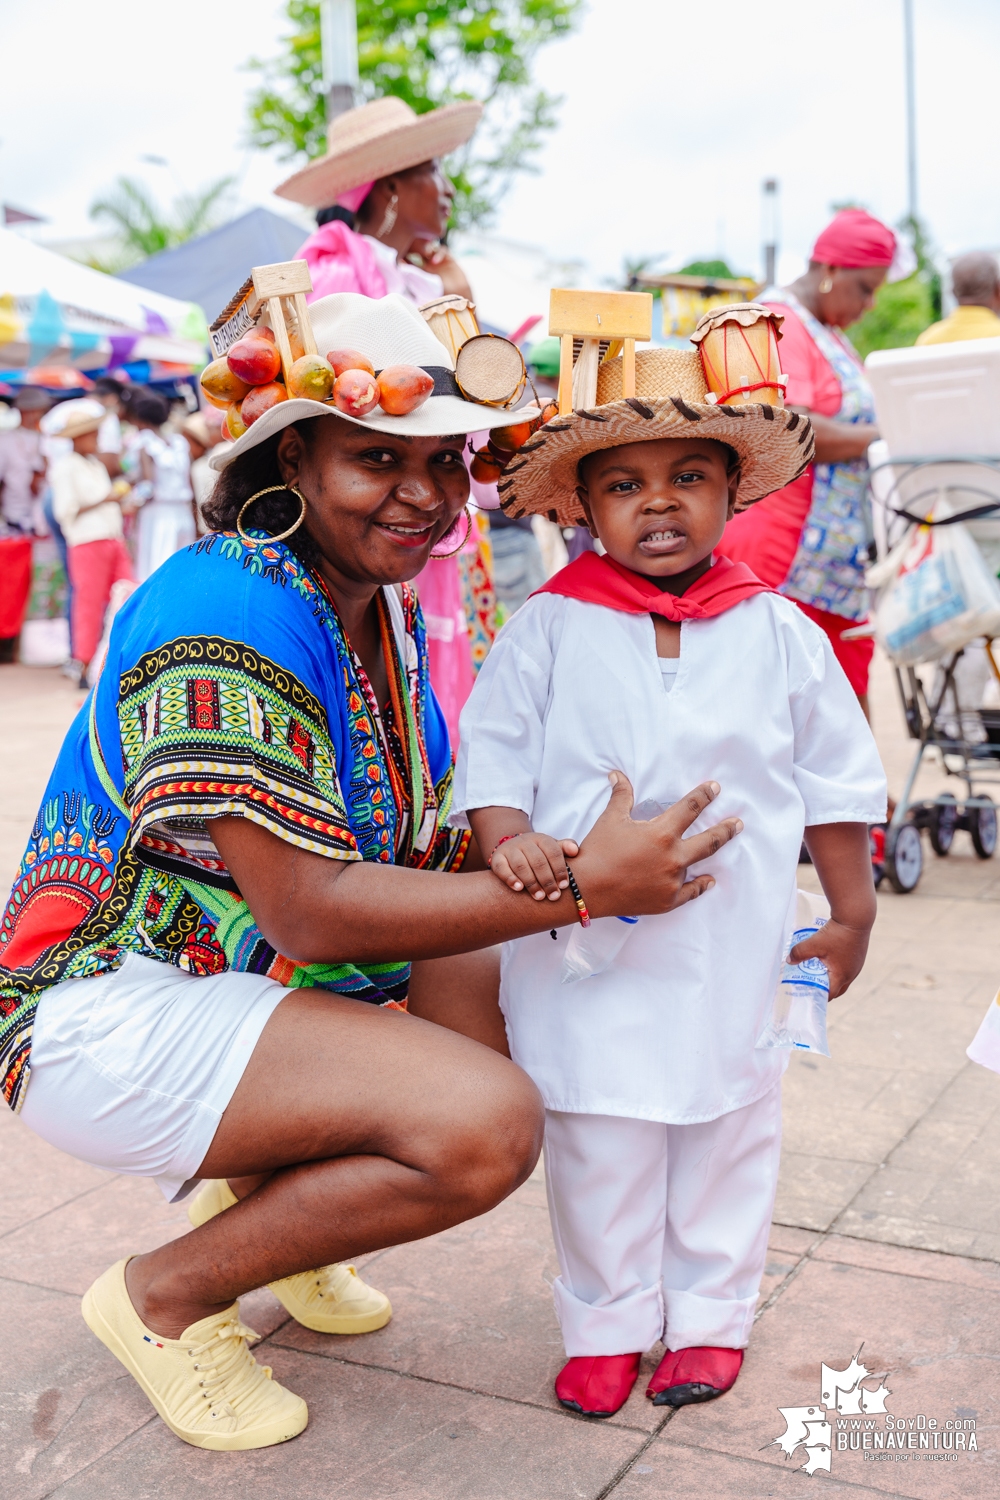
{"x": 911, "y": 114}
{"x": 770, "y": 230}
{"x": 339, "y": 37}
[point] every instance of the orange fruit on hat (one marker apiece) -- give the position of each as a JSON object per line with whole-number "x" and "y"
{"x": 235, "y": 424}
{"x": 254, "y": 360}
{"x": 349, "y": 359}
{"x": 356, "y": 392}
{"x": 311, "y": 376}
{"x": 260, "y": 400}
{"x": 403, "y": 388}
{"x": 220, "y": 385}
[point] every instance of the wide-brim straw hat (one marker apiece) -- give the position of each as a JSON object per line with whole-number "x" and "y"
{"x": 775, "y": 446}
{"x": 376, "y": 140}
{"x": 390, "y": 331}
{"x": 80, "y": 423}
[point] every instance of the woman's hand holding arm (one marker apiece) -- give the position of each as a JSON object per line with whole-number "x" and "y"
{"x": 318, "y": 910}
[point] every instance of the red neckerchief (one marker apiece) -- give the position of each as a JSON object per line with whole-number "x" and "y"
{"x": 598, "y": 580}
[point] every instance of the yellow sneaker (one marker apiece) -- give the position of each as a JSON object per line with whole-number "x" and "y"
{"x": 211, "y": 1198}
{"x": 206, "y": 1385}
{"x": 332, "y": 1299}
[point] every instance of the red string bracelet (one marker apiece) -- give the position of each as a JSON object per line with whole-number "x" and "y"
{"x": 496, "y": 846}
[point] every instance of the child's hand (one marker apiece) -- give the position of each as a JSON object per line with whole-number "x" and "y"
{"x": 535, "y": 863}
{"x": 841, "y": 948}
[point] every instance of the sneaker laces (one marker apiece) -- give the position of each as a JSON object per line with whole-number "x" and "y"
{"x": 229, "y": 1373}
{"x": 335, "y": 1280}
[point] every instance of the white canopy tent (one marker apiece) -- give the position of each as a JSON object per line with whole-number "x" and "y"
{"x": 55, "y": 311}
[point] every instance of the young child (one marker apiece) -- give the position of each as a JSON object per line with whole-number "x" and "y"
{"x": 89, "y": 514}
{"x": 666, "y": 662}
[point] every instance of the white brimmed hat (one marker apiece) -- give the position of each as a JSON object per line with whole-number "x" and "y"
{"x": 390, "y": 331}
{"x": 774, "y": 445}
{"x": 376, "y": 140}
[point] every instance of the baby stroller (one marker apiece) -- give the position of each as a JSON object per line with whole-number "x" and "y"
{"x": 937, "y": 609}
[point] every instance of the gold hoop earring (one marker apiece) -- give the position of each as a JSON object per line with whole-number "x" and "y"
{"x": 388, "y": 218}
{"x": 826, "y": 285}
{"x": 439, "y": 556}
{"x": 256, "y": 541}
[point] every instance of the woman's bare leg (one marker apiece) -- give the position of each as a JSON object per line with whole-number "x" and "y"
{"x": 462, "y": 993}
{"x": 374, "y": 1127}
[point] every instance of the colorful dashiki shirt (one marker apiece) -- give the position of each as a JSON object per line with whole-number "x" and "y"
{"x": 229, "y": 687}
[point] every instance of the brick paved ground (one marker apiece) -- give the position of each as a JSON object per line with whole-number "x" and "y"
{"x": 887, "y": 1234}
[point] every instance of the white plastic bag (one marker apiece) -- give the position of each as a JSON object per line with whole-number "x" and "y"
{"x": 798, "y": 1010}
{"x": 936, "y": 594}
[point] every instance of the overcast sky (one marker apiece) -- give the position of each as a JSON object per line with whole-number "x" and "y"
{"x": 673, "y": 114}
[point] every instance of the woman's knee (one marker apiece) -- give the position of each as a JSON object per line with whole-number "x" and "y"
{"x": 496, "y": 1141}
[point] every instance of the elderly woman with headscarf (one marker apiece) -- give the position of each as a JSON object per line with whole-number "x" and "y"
{"x": 810, "y": 539}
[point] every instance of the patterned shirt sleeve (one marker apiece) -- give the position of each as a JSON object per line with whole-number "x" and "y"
{"x": 211, "y": 726}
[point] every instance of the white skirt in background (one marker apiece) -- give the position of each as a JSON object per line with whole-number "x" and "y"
{"x": 132, "y": 1071}
{"x": 165, "y": 526}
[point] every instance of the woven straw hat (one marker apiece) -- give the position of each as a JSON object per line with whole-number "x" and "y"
{"x": 390, "y": 331}
{"x": 79, "y": 423}
{"x": 379, "y": 138}
{"x": 775, "y": 446}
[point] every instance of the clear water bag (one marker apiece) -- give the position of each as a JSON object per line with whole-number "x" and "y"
{"x": 798, "y": 1011}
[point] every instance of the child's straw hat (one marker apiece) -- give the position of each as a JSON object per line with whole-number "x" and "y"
{"x": 775, "y": 446}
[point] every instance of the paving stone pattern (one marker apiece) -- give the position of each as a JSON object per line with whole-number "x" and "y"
{"x": 886, "y": 1236}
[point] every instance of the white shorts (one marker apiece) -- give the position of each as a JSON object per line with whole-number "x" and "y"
{"x": 131, "y": 1071}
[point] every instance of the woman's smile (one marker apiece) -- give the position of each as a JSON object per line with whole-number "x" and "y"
{"x": 406, "y": 533}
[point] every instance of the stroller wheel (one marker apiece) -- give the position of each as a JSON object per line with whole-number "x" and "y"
{"x": 904, "y": 858}
{"x": 942, "y": 824}
{"x": 983, "y": 828}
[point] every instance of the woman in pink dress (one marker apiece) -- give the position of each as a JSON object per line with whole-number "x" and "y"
{"x": 383, "y": 204}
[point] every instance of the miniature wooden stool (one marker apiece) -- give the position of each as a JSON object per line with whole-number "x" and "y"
{"x": 596, "y": 326}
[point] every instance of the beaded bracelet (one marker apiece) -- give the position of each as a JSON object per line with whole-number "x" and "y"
{"x": 496, "y": 846}
{"x": 581, "y": 905}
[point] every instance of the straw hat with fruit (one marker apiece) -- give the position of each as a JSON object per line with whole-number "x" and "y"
{"x": 379, "y": 365}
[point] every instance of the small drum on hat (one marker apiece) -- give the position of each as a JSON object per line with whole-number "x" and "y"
{"x": 490, "y": 370}
{"x": 452, "y": 320}
{"x": 739, "y": 354}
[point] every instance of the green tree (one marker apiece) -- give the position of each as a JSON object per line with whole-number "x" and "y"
{"x": 428, "y": 52}
{"x": 143, "y": 228}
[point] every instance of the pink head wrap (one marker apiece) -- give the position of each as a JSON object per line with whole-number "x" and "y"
{"x": 354, "y": 197}
{"x": 854, "y": 239}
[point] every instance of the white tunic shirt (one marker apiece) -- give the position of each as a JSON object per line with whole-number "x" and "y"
{"x": 572, "y": 691}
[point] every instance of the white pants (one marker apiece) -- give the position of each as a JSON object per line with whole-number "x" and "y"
{"x": 661, "y": 1230}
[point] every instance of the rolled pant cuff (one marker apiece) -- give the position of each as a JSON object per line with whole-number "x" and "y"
{"x": 695, "y": 1322}
{"x": 628, "y": 1325}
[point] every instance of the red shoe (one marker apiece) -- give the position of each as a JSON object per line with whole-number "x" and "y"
{"x": 597, "y": 1385}
{"x": 684, "y": 1376}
